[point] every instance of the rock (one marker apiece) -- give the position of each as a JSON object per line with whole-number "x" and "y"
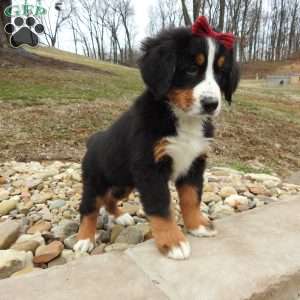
{"x": 40, "y": 226}
{"x": 70, "y": 241}
{"x": 9, "y": 232}
{"x": 3, "y": 194}
{"x": 145, "y": 229}
{"x": 7, "y": 205}
{"x": 41, "y": 197}
{"x": 99, "y": 250}
{"x": 116, "y": 230}
{"x": 116, "y": 247}
{"x": 2, "y": 182}
{"x": 227, "y": 191}
{"x": 31, "y": 237}
{"x": 12, "y": 261}
{"x": 45, "y": 254}
{"x": 131, "y": 235}
{"x": 24, "y": 208}
{"x": 235, "y": 200}
{"x": 26, "y": 246}
{"x": 57, "y": 204}
{"x": 262, "y": 177}
{"x": 210, "y": 197}
{"x": 258, "y": 189}
{"x": 69, "y": 228}
{"x": 132, "y": 208}
{"x": 102, "y": 237}
{"x": 210, "y": 187}
{"x": 221, "y": 210}
{"x": 46, "y": 214}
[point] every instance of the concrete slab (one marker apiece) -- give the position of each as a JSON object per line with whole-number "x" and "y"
{"x": 255, "y": 256}
{"x": 107, "y": 277}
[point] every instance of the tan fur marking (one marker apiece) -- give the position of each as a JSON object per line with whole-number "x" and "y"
{"x": 160, "y": 149}
{"x": 166, "y": 233}
{"x": 221, "y": 61}
{"x": 200, "y": 59}
{"x": 183, "y": 99}
{"x": 190, "y": 207}
{"x": 88, "y": 223}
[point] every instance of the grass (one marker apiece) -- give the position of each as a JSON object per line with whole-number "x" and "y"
{"x": 47, "y": 111}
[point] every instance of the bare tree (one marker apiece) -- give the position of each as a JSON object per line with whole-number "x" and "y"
{"x": 3, "y": 21}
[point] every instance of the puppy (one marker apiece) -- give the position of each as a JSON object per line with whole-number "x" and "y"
{"x": 164, "y": 136}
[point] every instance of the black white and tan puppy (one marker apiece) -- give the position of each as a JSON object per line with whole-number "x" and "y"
{"x": 164, "y": 136}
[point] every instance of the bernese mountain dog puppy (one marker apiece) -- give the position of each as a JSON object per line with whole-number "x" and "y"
{"x": 164, "y": 136}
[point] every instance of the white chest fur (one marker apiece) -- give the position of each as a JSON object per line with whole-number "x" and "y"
{"x": 187, "y": 145}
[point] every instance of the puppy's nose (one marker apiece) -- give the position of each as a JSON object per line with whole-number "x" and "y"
{"x": 209, "y": 104}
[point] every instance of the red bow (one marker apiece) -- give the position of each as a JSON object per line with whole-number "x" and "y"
{"x": 202, "y": 28}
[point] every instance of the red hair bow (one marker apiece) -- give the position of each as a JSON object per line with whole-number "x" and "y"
{"x": 202, "y": 28}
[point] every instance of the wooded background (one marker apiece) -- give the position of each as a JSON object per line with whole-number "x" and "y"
{"x": 266, "y": 30}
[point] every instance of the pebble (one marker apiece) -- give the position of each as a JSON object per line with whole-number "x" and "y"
{"x": 45, "y": 254}
{"x": 227, "y": 191}
{"x": 7, "y": 205}
{"x": 70, "y": 241}
{"x": 57, "y": 204}
{"x": 3, "y": 195}
{"x": 131, "y": 235}
{"x": 40, "y": 226}
{"x": 69, "y": 228}
{"x": 31, "y": 237}
{"x": 235, "y": 200}
{"x": 208, "y": 197}
{"x": 116, "y": 230}
{"x": 9, "y": 232}
{"x": 26, "y": 246}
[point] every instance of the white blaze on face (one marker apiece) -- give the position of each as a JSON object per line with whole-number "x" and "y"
{"x": 208, "y": 87}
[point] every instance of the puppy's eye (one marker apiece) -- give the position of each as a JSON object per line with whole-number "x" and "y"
{"x": 192, "y": 71}
{"x": 200, "y": 59}
{"x": 221, "y": 61}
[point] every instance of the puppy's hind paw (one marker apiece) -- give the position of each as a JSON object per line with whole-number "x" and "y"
{"x": 125, "y": 220}
{"x": 204, "y": 231}
{"x": 84, "y": 246}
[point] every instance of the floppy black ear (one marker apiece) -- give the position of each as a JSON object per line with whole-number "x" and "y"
{"x": 157, "y": 68}
{"x": 231, "y": 82}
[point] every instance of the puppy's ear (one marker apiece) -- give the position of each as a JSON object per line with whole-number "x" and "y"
{"x": 158, "y": 66}
{"x": 231, "y": 82}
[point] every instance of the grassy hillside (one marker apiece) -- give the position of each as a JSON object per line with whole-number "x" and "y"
{"x": 51, "y": 103}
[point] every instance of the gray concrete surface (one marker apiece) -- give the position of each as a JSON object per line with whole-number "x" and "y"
{"x": 256, "y": 256}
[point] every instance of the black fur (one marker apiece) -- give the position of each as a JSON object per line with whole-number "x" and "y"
{"x": 122, "y": 156}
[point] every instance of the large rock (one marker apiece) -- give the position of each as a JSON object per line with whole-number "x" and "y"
{"x": 26, "y": 246}
{"x": 7, "y": 205}
{"x": 3, "y": 194}
{"x": 9, "y": 232}
{"x": 40, "y": 226}
{"x": 131, "y": 235}
{"x": 45, "y": 254}
{"x": 31, "y": 237}
{"x": 12, "y": 261}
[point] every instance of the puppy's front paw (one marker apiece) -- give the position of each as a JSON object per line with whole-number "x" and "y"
{"x": 169, "y": 238}
{"x": 204, "y": 231}
{"x": 182, "y": 251}
{"x": 84, "y": 246}
{"x": 125, "y": 220}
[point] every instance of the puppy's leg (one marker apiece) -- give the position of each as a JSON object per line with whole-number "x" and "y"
{"x": 190, "y": 190}
{"x": 155, "y": 197}
{"x": 89, "y": 210}
{"x": 110, "y": 202}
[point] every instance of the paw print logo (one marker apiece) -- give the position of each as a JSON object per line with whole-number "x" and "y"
{"x": 24, "y": 32}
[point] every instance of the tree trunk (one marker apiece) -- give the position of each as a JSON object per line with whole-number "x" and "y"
{"x": 186, "y": 16}
{"x": 222, "y": 15}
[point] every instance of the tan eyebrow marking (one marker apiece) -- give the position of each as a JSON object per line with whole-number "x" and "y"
{"x": 221, "y": 61}
{"x": 200, "y": 59}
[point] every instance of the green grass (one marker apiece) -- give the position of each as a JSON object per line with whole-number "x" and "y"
{"x": 37, "y": 85}
{"x": 246, "y": 168}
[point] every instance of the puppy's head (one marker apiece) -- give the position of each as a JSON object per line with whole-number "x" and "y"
{"x": 189, "y": 71}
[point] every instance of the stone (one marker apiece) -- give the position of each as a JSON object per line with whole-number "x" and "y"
{"x": 24, "y": 208}
{"x": 116, "y": 247}
{"x": 40, "y": 226}
{"x": 26, "y": 246}
{"x": 57, "y": 262}
{"x": 57, "y": 204}
{"x": 131, "y": 208}
{"x": 3, "y": 195}
{"x": 70, "y": 241}
{"x": 69, "y": 228}
{"x": 210, "y": 197}
{"x": 221, "y": 210}
{"x": 2, "y": 181}
{"x": 31, "y": 237}
{"x": 41, "y": 197}
{"x": 99, "y": 250}
{"x": 46, "y": 214}
{"x": 116, "y": 230}
{"x": 103, "y": 236}
{"x": 144, "y": 228}
{"x": 7, "y": 205}
{"x": 25, "y": 271}
{"x": 9, "y": 232}
{"x": 131, "y": 235}
{"x": 210, "y": 187}
{"x": 235, "y": 200}
{"x": 45, "y": 254}
{"x": 12, "y": 261}
{"x": 227, "y": 191}
{"x": 262, "y": 177}
{"x": 258, "y": 189}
